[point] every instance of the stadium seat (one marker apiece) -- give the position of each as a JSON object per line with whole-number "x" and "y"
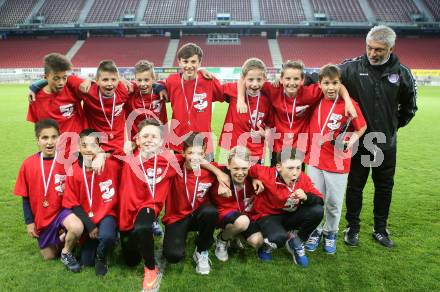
{"x": 434, "y": 7}
{"x": 166, "y": 11}
{"x": 281, "y": 11}
{"x": 340, "y": 10}
{"x": 106, "y": 11}
{"x": 318, "y": 51}
{"x": 124, "y": 51}
{"x": 394, "y": 10}
{"x": 54, "y": 11}
{"x": 29, "y": 52}
{"x": 231, "y": 55}
{"x": 207, "y": 10}
{"x": 14, "y": 12}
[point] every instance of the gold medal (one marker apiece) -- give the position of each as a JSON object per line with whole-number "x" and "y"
{"x": 91, "y": 214}
{"x": 111, "y": 136}
{"x": 45, "y": 204}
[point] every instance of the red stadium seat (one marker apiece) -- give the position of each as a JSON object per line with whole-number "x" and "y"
{"x": 231, "y": 55}
{"x": 318, "y": 51}
{"x": 29, "y": 52}
{"x": 124, "y": 51}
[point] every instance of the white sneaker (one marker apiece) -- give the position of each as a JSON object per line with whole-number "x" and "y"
{"x": 203, "y": 265}
{"x": 221, "y": 249}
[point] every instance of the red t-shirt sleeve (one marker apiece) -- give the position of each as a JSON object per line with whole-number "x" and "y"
{"x": 314, "y": 92}
{"x": 229, "y": 90}
{"x": 73, "y": 83}
{"x": 31, "y": 114}
{"x": 358, "y": 122}
{"x": 259, "y": 172}
{"x": 217, "y": 91}
{"x": 21, "y": 185}
{"x": 71, "y": 193}
{"x": 266, "y": 89}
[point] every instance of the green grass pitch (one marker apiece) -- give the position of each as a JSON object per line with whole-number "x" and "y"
{"x": 413, "y": 265}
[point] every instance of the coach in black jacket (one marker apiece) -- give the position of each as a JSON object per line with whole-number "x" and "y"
{"x": 386, "y": 93}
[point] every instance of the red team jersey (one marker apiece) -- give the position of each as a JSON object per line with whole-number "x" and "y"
{"x": 241, "y": 124}
{"x": 104, "y": 193}
{"x": 97, "y": 119}
{"x": 238, "y": 202}
{"x": 150, "y": 102}
{"x": 30, "y": 185}
{"x": 275, "y": 199}
{"x": 64, "y": 107}
{"x": 136, "y": 194}
{"x": 184, "y": 193}
{"x": 325, "y": 156}
{"x": 288, "y": 125}
{"x": 194, "y": 112}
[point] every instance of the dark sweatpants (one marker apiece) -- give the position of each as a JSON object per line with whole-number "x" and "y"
{"x": 383, "y": 179}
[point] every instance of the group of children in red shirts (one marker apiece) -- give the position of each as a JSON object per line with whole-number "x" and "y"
{"x": 109, "y": 162}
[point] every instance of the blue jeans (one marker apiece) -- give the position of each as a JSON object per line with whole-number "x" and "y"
{"x": 99, "y": 247}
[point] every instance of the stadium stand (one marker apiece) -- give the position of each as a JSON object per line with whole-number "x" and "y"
{"x": 281, "y": 11}
{"x": 394, "y": 10}
{"x": 14, "y": 12}
{"x": 166, "y": 11}
{"x": 434, "y": 7}
{"x": 104, "y": 11}
{"x": 207, "y": 9}
{"x": 29, "y": 52}
{"x": 124, "y": 51}
{"x": 318, "y": 51}
{"x": 340, "y": 10}
{"x": 231, "y": 55}
{"x": 54, "y": 11}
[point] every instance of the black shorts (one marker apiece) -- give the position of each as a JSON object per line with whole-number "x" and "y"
{"x": 230, "y": 219}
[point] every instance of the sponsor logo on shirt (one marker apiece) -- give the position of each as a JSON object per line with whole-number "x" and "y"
{"x": 291, "y": 204}
{"x": 118, "y": 109}
{"x": 200, "y": 101}
{"x": 107, "y": 190}
{"x": 160, "y": 174}
{"x": 202, "y": 190}
{"x": 67, "y": 110}
{"x": 156, "y": 106}
{"x": 301, "y": 110}
{"x": 59, "y": 183}
{"x": 248, "y": 204}
{"x": 334, "y": 122}
{"x": 254, "y": 116}
{"x": 393, "y": 78}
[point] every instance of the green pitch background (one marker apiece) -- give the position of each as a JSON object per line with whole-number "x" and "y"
{"x": 413, "y": 265}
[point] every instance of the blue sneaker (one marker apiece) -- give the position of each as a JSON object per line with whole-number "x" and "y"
{"x": 296, "y": 248}
{"x": 314, "y": 240}
{"x": 157, "y": 229}
{"x": 264, "y": 254}
{"x": 330, "y": 243}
